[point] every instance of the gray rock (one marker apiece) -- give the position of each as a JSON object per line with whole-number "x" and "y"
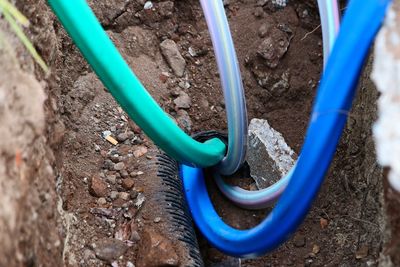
{"x": 108, "y": 164}
{"x": 184, "y": 120}
{"x": 122, "y": 137}
{"x": 111, "y": 179}
{"x": 114, "y": 195}
{"x": 273, "y": 47}
{"x": 281, "y": 87}
{"x": 174, "y": 58}
{"x": 184, "y": 85}
{"x": 119, "y": 166}
{"x": 183, "y": 101}
{"x": 268, "y": 155}
{"x": 109, "y": 249}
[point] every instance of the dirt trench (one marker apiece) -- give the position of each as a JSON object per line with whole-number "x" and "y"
{"x": 77, "y": 196}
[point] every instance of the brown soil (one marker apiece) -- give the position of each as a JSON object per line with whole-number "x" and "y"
{"x": 345, "y": 226}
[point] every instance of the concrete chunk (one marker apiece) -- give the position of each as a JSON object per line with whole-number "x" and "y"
{"x": 268, "y": 155}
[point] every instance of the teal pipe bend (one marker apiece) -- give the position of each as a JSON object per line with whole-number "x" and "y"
{"x": 85, "y": 30}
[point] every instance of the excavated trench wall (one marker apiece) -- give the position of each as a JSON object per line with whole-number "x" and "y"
{"x": 31, "y": 232}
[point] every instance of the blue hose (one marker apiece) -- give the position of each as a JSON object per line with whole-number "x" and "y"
{"x": 335, "y": 94}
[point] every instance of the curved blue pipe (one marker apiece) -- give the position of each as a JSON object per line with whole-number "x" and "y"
{"x": 335, "y": 94}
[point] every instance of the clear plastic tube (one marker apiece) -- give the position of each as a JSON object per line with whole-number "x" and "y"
{"x": 330, "y": 23}
{"x": 231, "y": 81}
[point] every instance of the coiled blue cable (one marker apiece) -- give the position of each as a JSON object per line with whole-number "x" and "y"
{"x": 335, "y": 94}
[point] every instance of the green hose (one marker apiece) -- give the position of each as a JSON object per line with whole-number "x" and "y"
{"x": 84, "y": 28}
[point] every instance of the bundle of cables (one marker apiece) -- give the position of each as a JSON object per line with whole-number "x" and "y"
{"x": 300, "y": 186}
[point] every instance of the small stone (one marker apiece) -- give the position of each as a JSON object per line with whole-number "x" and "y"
{"x": 156, "y": 250}
{"x": 323, "y": 223}
{"x": 114, "y": 195}
{"x": 101, "y": 201}
{"x": 111, "y": 178}
{"x": 192, "y": 52}
{"x": 108, "y": 164}
{"x": 184, "y": 85}
{"x": 114, "y": 158}
{"x": 119, "y": 166}
{"x": 148, "y": 5}
{"x": 130, "y": 264}
{"x": 140, "y": 151}
{"x": 315, "y": 249}
{"x": 184, "y": 120}
{"x": 299, "y": 241}
{"x": 273, "y": 47}
{"x": 362, "y": 252}
{"x": 124, "y": 195}
{"x": 109, "y": 249}
{"x": 122, "y": 137}
{"x": 128, "y": 183}
{"x": 97, "y": 148}
{"x": 134, "y": 194}
{"x": 139, "y": 200}
{"x": 183, "y": 101}
{"x": 135, "y": 236}
{"x": 157, "y": 219}
{"x": 97, "y": 187}
{"x": 124, "y": 173}
{"x": 174, "y": 58}
{"x": 279, "y": 88}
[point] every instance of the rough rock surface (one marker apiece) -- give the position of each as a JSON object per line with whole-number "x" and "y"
{"x": 174, "y": 58}
{"x": 29, "y": 230}
{"x": 386, "y": 75}
{"x": 156, "y": 250}
{"x": 268, "y": 155}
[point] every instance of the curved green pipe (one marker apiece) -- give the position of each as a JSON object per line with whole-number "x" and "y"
{"x": 84, "y": 28}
